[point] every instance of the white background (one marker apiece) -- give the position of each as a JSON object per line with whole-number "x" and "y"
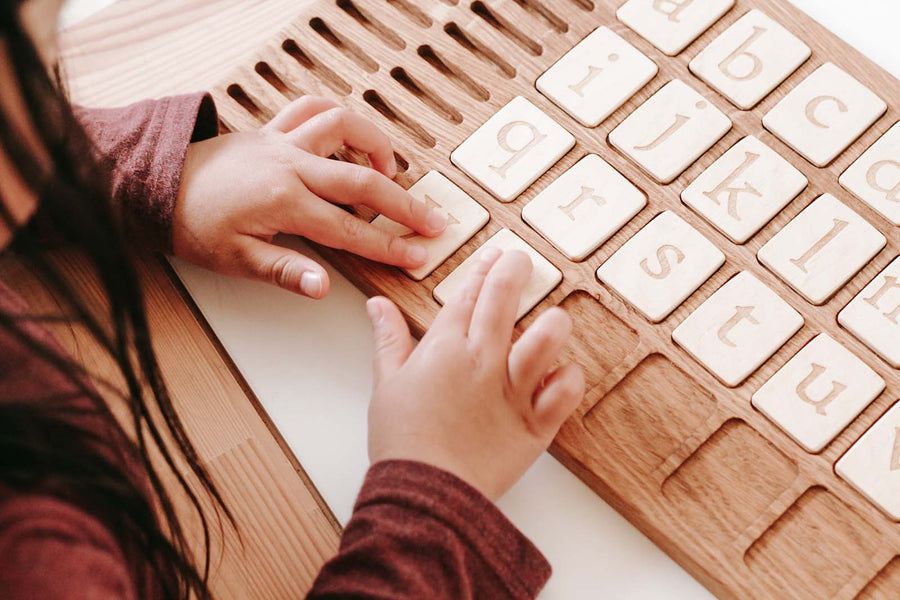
{"x": 310, "y": 365}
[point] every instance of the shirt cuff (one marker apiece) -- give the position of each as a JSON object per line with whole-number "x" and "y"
{"x": 478, "y": 522}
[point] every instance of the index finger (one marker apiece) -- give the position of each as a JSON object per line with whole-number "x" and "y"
{"x": 498, "y": 304}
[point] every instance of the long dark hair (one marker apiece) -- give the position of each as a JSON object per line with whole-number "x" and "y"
{"x": 44, "y": 443}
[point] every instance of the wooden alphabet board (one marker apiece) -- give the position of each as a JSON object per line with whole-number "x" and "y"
{"x": 671, "y": 431}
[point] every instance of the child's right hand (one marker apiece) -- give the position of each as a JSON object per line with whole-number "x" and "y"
{"x": 465, "y": 399}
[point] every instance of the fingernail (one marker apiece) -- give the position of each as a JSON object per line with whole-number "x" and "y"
{"x": 374, "y": 311}
{"x": 436, "y": 221}
{"x": 490, "y": 254}
{"x": 311, "y": 284}
{"x": 417, "y": 254}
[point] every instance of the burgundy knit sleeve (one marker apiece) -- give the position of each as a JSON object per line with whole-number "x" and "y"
{"x": 420, "y": 532}
{"x": 144, "y": 146}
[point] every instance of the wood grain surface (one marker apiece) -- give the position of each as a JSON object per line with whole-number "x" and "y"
{"x": 687, "y": 460}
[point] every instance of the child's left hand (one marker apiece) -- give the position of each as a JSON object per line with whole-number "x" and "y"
{"x": 239, "y": 190}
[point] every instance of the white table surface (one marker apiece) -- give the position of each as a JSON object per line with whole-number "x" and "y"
{"x": 309, "y": 363}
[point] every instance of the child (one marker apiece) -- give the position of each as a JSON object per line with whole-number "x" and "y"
{"x": 454, "y": 421}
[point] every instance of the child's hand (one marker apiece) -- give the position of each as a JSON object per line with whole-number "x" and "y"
{"x": 239, "y": 190}
{"x": 464, "y": 399}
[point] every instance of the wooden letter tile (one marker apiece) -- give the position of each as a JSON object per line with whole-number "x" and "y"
{"x": 512, "y": 149}
{"x": 596, "y": 77}
{"x": 584, "y": 207}
{"x": 671, "y": 130}
{"x": 824, "y": 114}
{"x": 875, "y": 177}
{"x": 663, "y": 264}
{"x": 671, "y": 25}
{"x": 744, "y": 189}
{"x": 872, "y": 465}
{"x": 821, "y": 248}
{"x": 872, "y": 314}
{"x": 818, "y": 392}
{"x": 544, "y": 277}
{"x": 750, "y": 59}
{"x": 464, "y": 218}
{"x": 738, "y": 328}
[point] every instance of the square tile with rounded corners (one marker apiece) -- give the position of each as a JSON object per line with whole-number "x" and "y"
{"x": 747, "y": 186}
{"x": 596, "y": 77}
{"x": 872, "y": 465}
{"x": 465, "y": 218}
{"x": 661, "y": 265}
{"x": 750, "y": 59}
{"x": 512, "y": 149}
{"x": 872, "y": 315}
{"x": 738, "y": 328}
{"x": 673, "y": 24}
{"x": 821, "y": 248}
{"x": 875, "y": 176}
{"x": 824, "y": 114}
{"x": 669, "y": 131}
{"x": 818, "y": 392}
{"x": 584, "y": 207}
{"x": 544, "y": 276}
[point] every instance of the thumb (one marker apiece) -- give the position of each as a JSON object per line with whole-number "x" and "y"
{"x": 561, "y": 393}
{"x": 287, "y": 269}
{"x": 393, "y": 343}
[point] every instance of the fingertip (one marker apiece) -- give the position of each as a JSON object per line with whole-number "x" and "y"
{"x": 416, "y": 255}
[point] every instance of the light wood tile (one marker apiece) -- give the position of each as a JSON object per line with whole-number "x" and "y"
{"x": 596, "y": 77}
{"x": 872, "y": 314}
{"x": 671, "y": 130}
{"x": 512, "y": 149}
{"x": 824, "y": 114}
{"x": 584, "y": 207}
{"x": 544, "y": 276}
{"x": 738, "y": 328}
{"x": 875, "y": 177}
{"x": 663, "y": 264}
{"x": 872, "y": 465}
{"x": 747, "y": 186}
{"x": 750, "y": 59}
{"x": 464, "y": 218}
{"x": 818, "y": 392}
{"x": 671, "y": 25}
{"x": 821, "y": 248}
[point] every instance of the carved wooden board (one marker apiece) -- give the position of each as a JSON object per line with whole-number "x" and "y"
{"x": 688, "y": 460}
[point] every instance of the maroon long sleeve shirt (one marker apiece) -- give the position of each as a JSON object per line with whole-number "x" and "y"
{"x": 416, "y": 531}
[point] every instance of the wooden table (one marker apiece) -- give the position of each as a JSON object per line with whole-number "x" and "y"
{"x": 147, "y": 48}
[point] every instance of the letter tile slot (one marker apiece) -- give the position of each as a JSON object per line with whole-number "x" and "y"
{"x": 747, "y": 186}
{"x": 599, "y": 348}
{"x": 750, "y": 59}
{"x": 885, "y": 584}
{"x": 641, "y": 425}
{"x": 814, "y": 549}
{"x": 818, "y": 392}
{"x": 872, "y": 315}
{"x": 661, "y": 265}
{"x": 738, "y": 328}
{"x": 465, "y": 218}
{"x": 824, "y": 114}
{"x": 671, "y": 25}
{"x": 875, "y": 177}
{"x": 584, "y": 207}
{"x": 729, "y": 482}
{"x": 512, "y": 149}
{"x": 670, "y": 131}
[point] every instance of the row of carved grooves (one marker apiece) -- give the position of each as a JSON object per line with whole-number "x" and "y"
{"x": 506, "y": 28}
{"x": 238, "y": 94}
{"x": 426, "y": 95}
{"x": 382, "y": 31}
{"x": 264, "y": 70}
{"x": 343, "y": 44}
{"x": 329, "y": 77}
{"x": 402, "y": 163}
{"x": 479, "y": 49}
{"x": 450, "y": 2}
{"x": 585, "y": 5}
{"x": 538, "y": 8}
{"x": 456, "y": 75}
{"x": 403, "y": 121}
{"x": 413, "y": 12}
